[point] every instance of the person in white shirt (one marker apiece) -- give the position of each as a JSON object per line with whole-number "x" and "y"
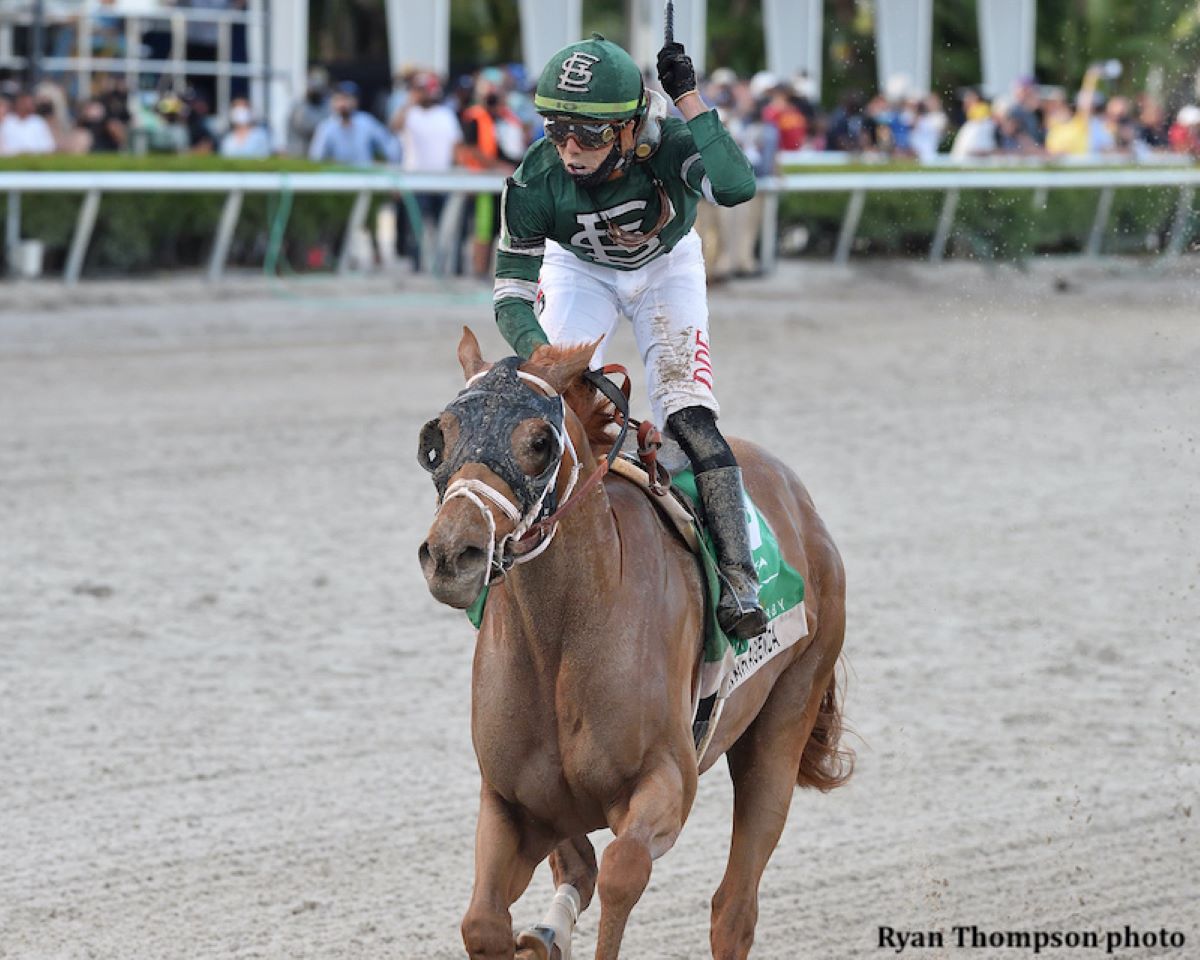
{"x": 245, "y": 138}
{"x": 23, "y": 131}
{"x": 976, "y": 137}
{"x": 429, "y": 132}
{"x": 928, "y": 128}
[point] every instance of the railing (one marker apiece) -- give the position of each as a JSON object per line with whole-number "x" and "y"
{"x": 364, "y": 184}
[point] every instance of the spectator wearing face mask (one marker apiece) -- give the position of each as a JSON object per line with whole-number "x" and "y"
{"x": 97, "y": 132}
{"x": 929, "y": 126}
{"x": 430, "y": 132}
{"x": 245, "y": 138}
{"x": 488, "y": 137}
{"x": 308, "y": 113}
{"x": 201, "y": 137}
{"x": 351, "y": 136}
{"x": 169, "y": 132}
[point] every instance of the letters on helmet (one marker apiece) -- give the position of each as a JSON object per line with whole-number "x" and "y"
{"x": 576, "y": 76}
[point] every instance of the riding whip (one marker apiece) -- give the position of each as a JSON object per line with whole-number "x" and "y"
{"x": 669, "y": 31}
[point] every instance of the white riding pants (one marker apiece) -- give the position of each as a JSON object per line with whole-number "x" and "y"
{"x": 667, "y": 302}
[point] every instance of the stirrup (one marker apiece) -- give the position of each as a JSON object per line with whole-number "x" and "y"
{"x": 743, "y": 622}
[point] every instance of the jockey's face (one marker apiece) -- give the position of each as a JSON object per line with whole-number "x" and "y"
{"x": 580, "y": 160}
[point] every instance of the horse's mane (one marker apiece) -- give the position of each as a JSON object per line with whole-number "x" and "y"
{"x": 594, "y": 410}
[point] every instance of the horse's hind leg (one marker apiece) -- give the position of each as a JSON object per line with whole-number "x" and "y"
{"x": 574, "y": 861}
{"x": 507, "y": 849}
{"x": 763, "y": 765}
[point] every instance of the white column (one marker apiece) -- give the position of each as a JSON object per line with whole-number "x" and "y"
{"x": 546, "y": 27}
{"x": 1007, "y": 30}
{"x": 257, "y": 54}
{"x": 904, "y": 43}
{"x": 793, "y": 31}
{"x": 645, "y": 20}
{"x": 419, "y": 34}
{"x": 647, "y": 31}
{"x": 288, "y": 32}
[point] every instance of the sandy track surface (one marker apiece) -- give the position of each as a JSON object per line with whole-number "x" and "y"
{"x": 235, "y": 724}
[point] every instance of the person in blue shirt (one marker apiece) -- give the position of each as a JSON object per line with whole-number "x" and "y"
{"x": 351, "y": 136}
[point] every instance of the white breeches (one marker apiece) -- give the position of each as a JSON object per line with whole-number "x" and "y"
{"x": 667, "y": 302}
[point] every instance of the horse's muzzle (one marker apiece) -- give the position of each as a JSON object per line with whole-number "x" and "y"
{"x": 455, "y": 571}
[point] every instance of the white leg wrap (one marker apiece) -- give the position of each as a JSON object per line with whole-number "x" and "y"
{"x": 561, "y": 917}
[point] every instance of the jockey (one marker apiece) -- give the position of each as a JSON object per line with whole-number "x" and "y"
{"x": 597, "y": 222}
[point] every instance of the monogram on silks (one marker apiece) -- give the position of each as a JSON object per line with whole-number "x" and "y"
{"x": 595, "y": 238}
{"x": 488, "y": 412}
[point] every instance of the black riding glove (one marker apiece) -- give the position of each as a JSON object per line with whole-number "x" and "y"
{"x": 675, "y": 71}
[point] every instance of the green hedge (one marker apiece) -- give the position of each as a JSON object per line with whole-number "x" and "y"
{"x": 138, "y": 232}
{"x": 988, "y": 224}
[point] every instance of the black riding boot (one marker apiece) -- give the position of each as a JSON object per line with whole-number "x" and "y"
{"x": 739, "y": 613}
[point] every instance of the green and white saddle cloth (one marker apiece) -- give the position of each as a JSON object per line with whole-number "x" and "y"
{"x": 728, "y": 661}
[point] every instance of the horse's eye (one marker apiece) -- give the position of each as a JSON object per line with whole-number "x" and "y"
{"x": 431, "y": 447}
{"x": 539, "y": 444}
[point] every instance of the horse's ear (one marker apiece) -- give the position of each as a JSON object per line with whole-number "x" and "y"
{"x": 469, "y": 356}
{"x": 563, "y": 366}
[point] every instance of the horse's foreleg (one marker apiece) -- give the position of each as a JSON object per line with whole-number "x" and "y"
{"x": 763, "y": 765}
{"x": 646, "y": 829}
{"x": 506, "y": 852}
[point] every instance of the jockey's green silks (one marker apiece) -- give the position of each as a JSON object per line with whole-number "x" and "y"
{"x": 541, "y": 201}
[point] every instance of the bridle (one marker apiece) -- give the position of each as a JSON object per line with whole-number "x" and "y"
{"x": 504, "y": 552}
{"x": 534, "y": 528}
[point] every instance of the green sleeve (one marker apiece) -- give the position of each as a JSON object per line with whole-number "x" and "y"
{"x": 712, "y": 164}
{"x": 524, "y": 224}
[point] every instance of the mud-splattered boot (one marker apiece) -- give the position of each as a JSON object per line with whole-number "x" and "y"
{"x": 739, "y": 613}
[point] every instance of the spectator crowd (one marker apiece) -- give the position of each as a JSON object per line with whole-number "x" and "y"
{"x": 484, "y": 121}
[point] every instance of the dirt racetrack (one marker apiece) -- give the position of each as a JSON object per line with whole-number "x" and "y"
{"x": 235, "y": 724}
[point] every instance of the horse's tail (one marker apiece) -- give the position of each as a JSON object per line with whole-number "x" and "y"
{"x": 825, "y": 763}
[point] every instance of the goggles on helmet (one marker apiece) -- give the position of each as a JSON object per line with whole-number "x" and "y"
{"x": 589, "y": 136}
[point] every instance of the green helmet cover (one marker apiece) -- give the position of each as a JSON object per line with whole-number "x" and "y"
{"x": 593, "y": 78}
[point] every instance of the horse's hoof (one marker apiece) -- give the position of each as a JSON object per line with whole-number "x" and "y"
{"x": 531, "y": 946}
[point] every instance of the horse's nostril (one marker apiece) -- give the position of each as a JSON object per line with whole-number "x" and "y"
{"x": 423, "y": 555}
{"x": 470, "y": 557}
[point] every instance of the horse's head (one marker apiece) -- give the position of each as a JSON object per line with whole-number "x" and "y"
{"x": 498, "y": 454}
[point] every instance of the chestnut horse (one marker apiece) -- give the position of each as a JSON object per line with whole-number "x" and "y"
{"x": 582, "y": 690}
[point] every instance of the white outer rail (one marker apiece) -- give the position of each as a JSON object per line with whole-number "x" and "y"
{"x": 365, "y": 183}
